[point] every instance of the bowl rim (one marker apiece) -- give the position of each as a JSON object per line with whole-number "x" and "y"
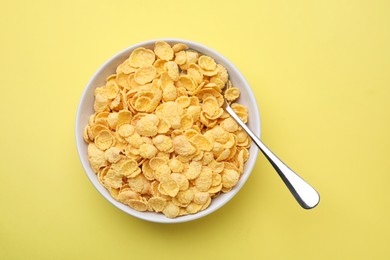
{"x": 249, "y": 165}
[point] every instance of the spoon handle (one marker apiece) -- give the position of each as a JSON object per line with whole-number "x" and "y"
{"x": 305, "y": 194}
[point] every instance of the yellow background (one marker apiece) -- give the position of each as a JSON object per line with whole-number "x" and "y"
{"x": 320, "y": 71}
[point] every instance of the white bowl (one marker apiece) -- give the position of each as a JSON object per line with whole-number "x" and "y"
{"x": 85, "y": 109}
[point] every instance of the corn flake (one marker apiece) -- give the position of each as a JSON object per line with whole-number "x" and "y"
{"x": 180, "y": 58}
{"x": 129, "y": 168}
{"x": 176, "y": 165}
{"x": 141, "y": 57}
{"x": 194, "y": 170}
{"x": 207, "y": 63}
{"x": 104, "y": 140}
{"x": 145, "y": 74}
{"x": 172, "y": 69}
{"x": 163, "y": 50}
{"x": 179, "y": 47}
{"x": 186, "y": 122}
{"x": 181, "y": 180}
{"x": 126, "y": 195}
{"x": 230, "y": 178}
{"x": 113, "y": 154}
{"x": 183, "y": 101}
{"x": 145, "y": 127}
{"x": 169, "y": 185}
{"x": 232, "y": 94}
{"x": 193, "y": 208}
{"x": 125, "y": 130}
{"x": 161, "y": 172}
{"x": 204, "y": 181}
{"x": 157, "y": 203}
{"x": 113, "y": 179}
{"x": 156, "y": 162}
{"x": 147, "y": 151}
{"x": 163, "y": 143}
{"x": 96, "y": 157}
{"x": 187, "y": 82}
{"x": 171, "y": 210}
{"x": 125, "y": 68}
{"x": 202, "y": 142}
{"x": 138, "y": 183}
{"x": 201, "y": 197}
{"x": 163, "y": 126}
{"x": 169, "y": 93}
{"x": 182, "y": 146}
{"x": 138, "y": 205}
{"x": 142, "y": 104}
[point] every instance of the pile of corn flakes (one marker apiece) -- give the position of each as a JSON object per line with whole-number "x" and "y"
{"x": 159, "y": 139}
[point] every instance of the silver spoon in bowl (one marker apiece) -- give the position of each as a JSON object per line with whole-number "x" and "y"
{"x": 305, "y": 194}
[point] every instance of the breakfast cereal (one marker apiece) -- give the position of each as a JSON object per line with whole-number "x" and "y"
{"x": 159, "y": 139}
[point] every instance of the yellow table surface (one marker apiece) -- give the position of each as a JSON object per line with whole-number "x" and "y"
{"x": 320, "y": 71}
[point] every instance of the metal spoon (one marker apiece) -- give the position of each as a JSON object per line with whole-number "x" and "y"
{"x": 305, "y": 194}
